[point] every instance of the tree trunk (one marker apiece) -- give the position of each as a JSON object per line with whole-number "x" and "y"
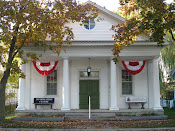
{"x": 2, "y": 102}
{"x": 3, "y": 83}
{"x": 5, "y": 77}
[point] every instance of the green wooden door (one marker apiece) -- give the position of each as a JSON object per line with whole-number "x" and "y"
{"x": 83, "y": 94}
{"x": 89, "y": 88}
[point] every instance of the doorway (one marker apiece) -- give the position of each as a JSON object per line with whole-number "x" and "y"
{"x": 89, "y": 88}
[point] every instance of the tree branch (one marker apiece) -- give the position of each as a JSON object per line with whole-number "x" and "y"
{"x": 172, "y": 35}
{"x": 19, "y": 47}
{"x": 10, "y": 58}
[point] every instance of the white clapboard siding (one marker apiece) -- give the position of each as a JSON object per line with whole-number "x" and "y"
{"x": 101, "y": 31}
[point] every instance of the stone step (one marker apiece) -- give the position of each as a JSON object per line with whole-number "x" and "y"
{"x": 38, "y": 118}
{"x": 162, "y": 117}
{"x": 92, "y": 118}
{"x": 92, "y": 114}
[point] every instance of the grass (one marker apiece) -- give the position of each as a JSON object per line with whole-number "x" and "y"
{"x": 8, "y": 123}
{"x": 170, "y": 113}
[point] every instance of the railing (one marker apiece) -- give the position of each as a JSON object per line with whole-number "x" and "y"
{"x": 10, "y": 107}
{"x": 89, "y": 107}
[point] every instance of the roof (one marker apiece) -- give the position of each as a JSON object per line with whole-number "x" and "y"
{"x": 100, "y": 8}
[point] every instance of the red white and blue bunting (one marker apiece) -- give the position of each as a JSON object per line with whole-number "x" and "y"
{"x": 45, "y": 68}
{"x": 134, "y": 67}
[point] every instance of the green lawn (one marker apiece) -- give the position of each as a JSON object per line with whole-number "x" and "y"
{"x": 94, "y": 124}
{"x": 170, "y": 113}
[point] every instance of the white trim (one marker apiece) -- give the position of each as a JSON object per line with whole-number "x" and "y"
{"x": 106, "y": 11}
{"x": 111, "y": 43}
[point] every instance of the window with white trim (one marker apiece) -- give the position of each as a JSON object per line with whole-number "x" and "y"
{"x": 52, "y": 83}
{"x": 90, "y": 24}
{"x": 126, "y": 83}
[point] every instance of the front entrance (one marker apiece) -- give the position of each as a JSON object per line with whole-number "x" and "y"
{"x": 89, "y": 88}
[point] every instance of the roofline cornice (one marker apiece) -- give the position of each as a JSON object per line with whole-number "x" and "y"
{"x": 111, "y": 43}
{"x": 105, "y": 11}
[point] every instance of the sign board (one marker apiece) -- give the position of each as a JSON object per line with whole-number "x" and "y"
{"x": 44, "y": 100}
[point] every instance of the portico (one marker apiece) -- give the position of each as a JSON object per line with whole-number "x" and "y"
{"x": 109, "y": 77}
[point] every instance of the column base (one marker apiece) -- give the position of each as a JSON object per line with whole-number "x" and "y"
{"x": 65, "y": 109}
{"x": 114, "y": 108}
{"x": 20, "y": 108}
{"x": 157, "y": 108}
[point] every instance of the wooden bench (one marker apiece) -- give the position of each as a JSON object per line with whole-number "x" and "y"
{"x": 135, "y": 100}
{"x": 43, "y": 101}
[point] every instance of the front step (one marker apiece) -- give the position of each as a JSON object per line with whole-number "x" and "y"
{"x": 94, "y": 116}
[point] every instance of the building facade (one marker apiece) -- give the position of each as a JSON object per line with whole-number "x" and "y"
{"x": 108, "y": 84}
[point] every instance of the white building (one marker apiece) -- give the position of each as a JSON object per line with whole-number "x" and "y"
{"x": 108, "y": 85}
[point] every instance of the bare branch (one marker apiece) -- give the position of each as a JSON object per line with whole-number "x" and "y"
{"x": 12, "y": 45}
{"x": 172, "y": 35}
{"x": 19, "y": 47}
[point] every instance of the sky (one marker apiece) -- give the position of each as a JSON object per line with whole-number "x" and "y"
{"x": 109, "y": 4}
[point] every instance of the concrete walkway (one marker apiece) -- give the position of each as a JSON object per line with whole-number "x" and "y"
{"x": 109, "y": 129}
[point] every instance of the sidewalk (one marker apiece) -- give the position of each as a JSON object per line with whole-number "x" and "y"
{"x": 116, "y": 129}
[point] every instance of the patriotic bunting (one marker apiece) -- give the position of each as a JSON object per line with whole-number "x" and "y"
{"x": 45, "y": 68}
{"x": 134, "y": 67}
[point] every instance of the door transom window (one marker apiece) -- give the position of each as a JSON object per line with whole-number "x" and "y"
{"x": 93, "y": 75}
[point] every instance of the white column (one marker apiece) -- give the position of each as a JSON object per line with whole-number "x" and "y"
{"x": 150, "y": 84}
{"x": 156, "y": 85}
{"x": 21, "y": 91}
{"x": 65, "y": 89}
{"x": 113, "y": 96}
{"x": 28, "y": 86}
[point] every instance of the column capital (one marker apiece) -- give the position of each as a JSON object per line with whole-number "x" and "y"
{"x": 65, "y": 57}
{"x": 111, "y": 58}
{"x": 155, "y": 57}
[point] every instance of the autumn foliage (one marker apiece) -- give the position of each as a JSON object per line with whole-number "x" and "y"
{"x": 26, "y": 23}
{"x": 149, "y": 17}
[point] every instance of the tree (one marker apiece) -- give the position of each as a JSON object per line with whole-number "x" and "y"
{"x": 154, "y": 19}
{"x": 13, "y": 82}
{"x": 26, "y": 22}
{"x": 168, "y": 64}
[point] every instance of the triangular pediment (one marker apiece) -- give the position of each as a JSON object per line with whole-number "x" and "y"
{"x": 106, "y": 11}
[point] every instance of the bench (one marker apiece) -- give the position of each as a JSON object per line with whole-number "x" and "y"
{"x": 135, "y": 100}
{"x": 43, "y": 101}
